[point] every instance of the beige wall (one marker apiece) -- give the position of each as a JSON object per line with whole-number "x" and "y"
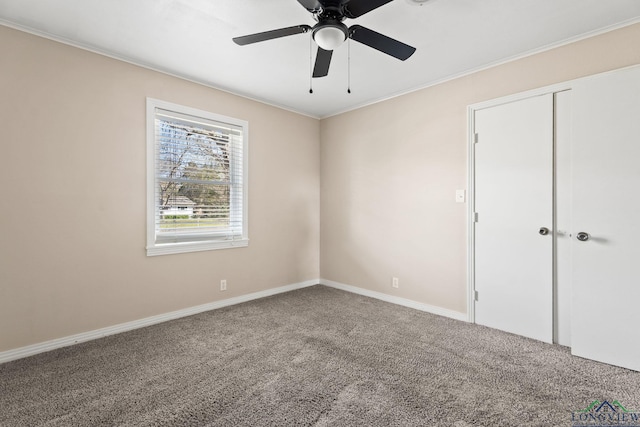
{"x": 72, "y": 249}
{"x": 389, "y": 173}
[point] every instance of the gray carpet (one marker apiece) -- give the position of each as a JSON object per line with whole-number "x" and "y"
{"x": 313, "y": 357}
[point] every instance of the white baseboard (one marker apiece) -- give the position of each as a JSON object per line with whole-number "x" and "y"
{"x": 30, "y": 350}
{"x": 397, "y": 300}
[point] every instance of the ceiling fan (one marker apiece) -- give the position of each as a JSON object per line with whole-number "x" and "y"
{"x": 329, "y": 33}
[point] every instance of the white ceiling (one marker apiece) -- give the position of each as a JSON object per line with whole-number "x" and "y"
{"x": 192, "y": 39}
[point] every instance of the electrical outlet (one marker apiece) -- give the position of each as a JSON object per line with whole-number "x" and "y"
{"x": 395, "y": 282}
{"x": 223, "y": 285}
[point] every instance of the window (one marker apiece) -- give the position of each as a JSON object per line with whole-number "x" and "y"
{"x": 196, "y": 180}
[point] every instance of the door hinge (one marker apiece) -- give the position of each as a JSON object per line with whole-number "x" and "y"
{"x": 475, "y": 217}
{"x": 475, "y": 295}
{"x": 475, "y": 138}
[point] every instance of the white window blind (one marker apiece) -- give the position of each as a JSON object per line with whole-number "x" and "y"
{"x": 197, "y": 200}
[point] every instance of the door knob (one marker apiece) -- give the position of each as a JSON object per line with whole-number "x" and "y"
{"x": 543, "y": 231}
{"x": 582, "y": 236}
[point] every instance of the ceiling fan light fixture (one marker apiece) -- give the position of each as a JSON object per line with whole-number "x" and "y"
{"x": 330, "y": 36}
{"x": 419, "y": 2}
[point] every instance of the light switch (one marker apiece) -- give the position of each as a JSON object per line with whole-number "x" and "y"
{"x": 460, "y": 196}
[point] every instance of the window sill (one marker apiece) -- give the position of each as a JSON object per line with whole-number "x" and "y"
{"x": 179, "y": 248}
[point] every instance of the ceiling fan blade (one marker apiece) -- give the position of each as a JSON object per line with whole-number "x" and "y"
{"x": 381, "y": 42}
{"x": 311, "y": 5}
{"x": 323, "y": 60}
{"x": 273, "y": 34}
{"x": 356, "y": 8}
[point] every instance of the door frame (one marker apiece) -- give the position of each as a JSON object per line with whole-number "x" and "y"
{"x": 471, "y": 223}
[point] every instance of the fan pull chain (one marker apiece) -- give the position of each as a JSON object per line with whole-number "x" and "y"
{"x": 310, "y": 65}
{"x": 349, "y": 65}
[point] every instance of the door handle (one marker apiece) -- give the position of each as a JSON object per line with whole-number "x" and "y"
{"x": 582, "y": 236}
{"x": 543, "y": 231}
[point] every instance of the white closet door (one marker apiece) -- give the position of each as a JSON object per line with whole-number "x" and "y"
{"x": 563, "y": 227}
{"x": 514, "y": 200}
{"x": 606, "y": 205}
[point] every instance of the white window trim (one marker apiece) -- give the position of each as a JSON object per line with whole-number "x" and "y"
{"x": 154, "y": 248}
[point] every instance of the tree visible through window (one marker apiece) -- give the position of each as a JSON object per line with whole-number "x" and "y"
{"x": 199, "y": 186}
